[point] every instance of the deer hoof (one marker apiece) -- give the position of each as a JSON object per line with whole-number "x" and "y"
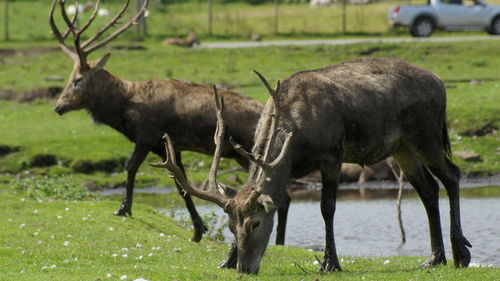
{"x": 123, "y": 211}
{"x": 228, "y": 263}
{"x": 461, "y": 254}
{"x": 435, "y": 259}
{"x": 330, "y": 266}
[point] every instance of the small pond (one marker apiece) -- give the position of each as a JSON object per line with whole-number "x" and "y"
{"x": 369, "y": 228}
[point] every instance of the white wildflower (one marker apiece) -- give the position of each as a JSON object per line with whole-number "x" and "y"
{"x": 85, "y": 218}
{"x": 387, "y": 261}
{"x": 66, "y": 243}
{"x": 69, "y": 235}
{"x": 150, "y": 254}
{"x": 109, "y": 275}
{"x": 124, "y": 277}
{"x": 22, "y": 225}
{"x": 125, "y": 256}
{"x": 124, "y": 249}
{"x": 138, "y": 245}
{"x": 59, "y": 217}
{"x": 162, "y": 234}
{"x": 66, "y": 209}
{"x": 36, "y": 233}
{"x": 110, "y": 228}
{"x": 114, "y": 255}
{"x": 35, "y": 211}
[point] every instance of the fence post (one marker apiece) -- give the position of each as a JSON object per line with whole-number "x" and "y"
{"x": 141, "y": 28}
{"x": 276, "y": 16}
{"x": 210, "y": 17}
{"x": 344, "y": 4}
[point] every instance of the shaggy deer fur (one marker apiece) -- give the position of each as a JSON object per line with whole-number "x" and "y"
{"x": 359, "y": 111}
{"x": 144, "y": 111}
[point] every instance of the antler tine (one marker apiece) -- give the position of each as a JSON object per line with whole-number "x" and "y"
{"x": 69, "y": 22}
{"x": 112, "y": 22}
{"x": 81, "y": 53}
{"x": 62, "y": 45}
{"x": 283, "y": 151}
{"x": 272, "y": 92}
{"x": 170, "y": 164}
{"x": 73, "y": 20}
{"x": 253, "y": 158}
{"x": 118, "y": 31}
{"x": 218, "y": 140}
{"x": 92, "y": 17}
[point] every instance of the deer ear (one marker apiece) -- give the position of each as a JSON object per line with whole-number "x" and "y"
{"x": 102, "y": 61}
{"x": 267, "y": 202}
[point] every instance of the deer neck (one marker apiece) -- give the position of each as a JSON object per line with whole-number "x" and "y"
{"x": 109, "y": 100}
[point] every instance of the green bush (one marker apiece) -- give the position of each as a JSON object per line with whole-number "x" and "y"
{"x": 40, "y": 188}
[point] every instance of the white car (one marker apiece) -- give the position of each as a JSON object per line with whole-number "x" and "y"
{"x": 447, "y": 15}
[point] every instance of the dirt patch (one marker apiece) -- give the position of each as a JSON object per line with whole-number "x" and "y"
{"x": 488, "y": 129}
{"x": 129, "y": 47}
{"x": 4, "y": 53}
{"x": 108, "y": 165}
{"x": 43, "y": 160}
{"x": 369, "y": 51}
{"x": 27, "y": 96}
{"x": 5, "y": 149}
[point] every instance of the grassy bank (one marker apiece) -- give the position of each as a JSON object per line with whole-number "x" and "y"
{"x": 79, "y": 240}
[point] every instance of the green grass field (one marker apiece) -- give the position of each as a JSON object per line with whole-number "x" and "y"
{"x": 49, "y": 239}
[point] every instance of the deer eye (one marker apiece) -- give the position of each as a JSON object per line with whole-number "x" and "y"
{"x": 255, "y": 225}
{"x": 77, "y": 82}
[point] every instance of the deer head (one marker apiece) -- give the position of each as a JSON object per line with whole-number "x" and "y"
{"x": 85, "y": 75}
{"x": 251, "y": 210}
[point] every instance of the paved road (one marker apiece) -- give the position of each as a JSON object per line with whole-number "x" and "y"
{"x": 252, "y": 44}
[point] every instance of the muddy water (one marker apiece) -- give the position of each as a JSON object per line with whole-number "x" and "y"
{"x": 369, "y": 228}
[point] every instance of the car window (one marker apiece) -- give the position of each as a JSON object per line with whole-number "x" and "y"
{"x": 452, "y": 2}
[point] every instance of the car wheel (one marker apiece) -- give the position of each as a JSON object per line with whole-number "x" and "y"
{"x": 422, "y": 27}
{"x": 495, "y": 26}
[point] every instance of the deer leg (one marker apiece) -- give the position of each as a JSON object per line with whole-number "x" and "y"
{"x": 449, "y": 175}
{"x": 132, "y": 165}
{"x": 231, "y": 259}
{"x": 282, "y": 217}
{"x": 330, "y": 174}
{"x": 199, "y": 227}
{"x": 427, "y": 188}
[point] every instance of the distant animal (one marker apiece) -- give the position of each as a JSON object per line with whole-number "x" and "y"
{"x": 359, "y": 111}
{"x": 144, "y": 111}
{"x": 191, "y": 40}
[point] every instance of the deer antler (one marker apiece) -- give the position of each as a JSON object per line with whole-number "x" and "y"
{"x": 81, "y": 51}
{"x": 258, "y": 159}
{"x": 215, "y": 192}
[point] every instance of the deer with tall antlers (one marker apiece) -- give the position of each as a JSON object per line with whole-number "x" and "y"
{"x": 359, "y": 111}
{"x": 144, "y": 111}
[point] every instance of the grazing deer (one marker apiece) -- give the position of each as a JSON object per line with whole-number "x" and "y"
{"x": 144, "y": 111}
{"x": 189, "y": 41}
{"x": 359, "y": 111}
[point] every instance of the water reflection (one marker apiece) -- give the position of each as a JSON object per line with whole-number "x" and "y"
{"x": 369, "y": 228}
